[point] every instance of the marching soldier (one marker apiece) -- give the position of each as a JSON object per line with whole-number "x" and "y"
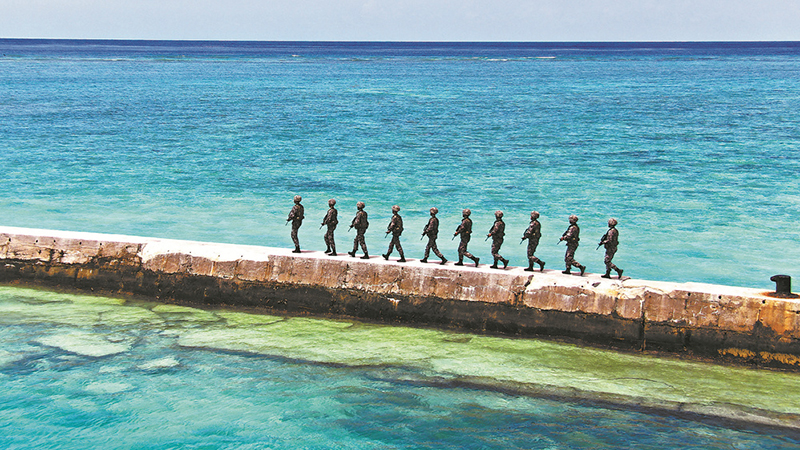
{"x": 331, "y": 220}
{"x": 497, "y": 233}
{"x": 432, "y": 231}
{"x": 572, "y": 236}
{"x": 360, "y": 223}
{"x": 610, "y": 240}
{"x": 296, "y": 216}
{"x": 532, "y": 234}
{"x": 465, "y": 230}
{"x": 396, "y": 228}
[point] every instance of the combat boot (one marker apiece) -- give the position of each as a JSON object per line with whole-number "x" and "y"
{"x": 385, "y": 256}
{"x": 505, "y": 263}
{"x": 424, "y": 260}
{"x": 366, "y": 256}
{"x": 444, "y": 261}
{"x": 583, "y": 269}
{"x": 460, "y": 262}
{"x": 477, "y": 261}
{"x": 402, "y": 259}
{"x": 567, "y": 272}
{"x": 353, "y": 253}
{"x": 530, "y": 266}
{"x": 607, "y": 274}
{"x": 541, "y": 266}
{"x": 296, "y": 250}
{"x": 619, "y": 272}
{"x": 494, "y": 266}
{"x": 332, "y": 254}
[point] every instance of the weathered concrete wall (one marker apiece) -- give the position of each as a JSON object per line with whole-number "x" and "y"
{"x": 714, "y": 321}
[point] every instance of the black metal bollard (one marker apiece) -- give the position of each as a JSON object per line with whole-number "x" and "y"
{"x": 783, "y": 285}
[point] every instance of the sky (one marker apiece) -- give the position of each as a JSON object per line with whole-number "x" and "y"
{"x": 404, "y": 20}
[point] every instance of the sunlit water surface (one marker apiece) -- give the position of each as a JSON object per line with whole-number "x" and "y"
{"x": 694, "y": 147}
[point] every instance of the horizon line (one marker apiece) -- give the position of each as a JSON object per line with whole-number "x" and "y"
{"x": 397, "y": 41}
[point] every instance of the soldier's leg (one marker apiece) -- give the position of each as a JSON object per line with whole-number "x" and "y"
{"x": 568, "y": 258}
{"x": 389, "y": 251}
{"x": 363, "y": 243}
{"x": 496, "y": 254}
{"x": 505, "y": 261}
{"x": 427, "y": 251}
{"x": 400, "y": 249}
{"x": 331, "y": 241}
{"x": 474, "y": 258}
{"x": 437, "y": 252}
{"x": 532, "y": 259}
{"x": 462, "y": 249}
{"x": 576, "y": 263}
{"x": 607, "y": 262}
{"x": 296, "y": 240}
{"x": 610, "y": 265}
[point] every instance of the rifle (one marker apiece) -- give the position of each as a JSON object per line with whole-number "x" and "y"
{"x": 487, "y": 237}
{"x": 287, "y": 223}
{"x": 320, "y": 227}
{"x": 521, "y": 241}
{"x": 601, "y": 240}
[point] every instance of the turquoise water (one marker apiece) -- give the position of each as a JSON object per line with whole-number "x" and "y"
{"x": 693, "y": 147}
{"x": 95, "y": 372}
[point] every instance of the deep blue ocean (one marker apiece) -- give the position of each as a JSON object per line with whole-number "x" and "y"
{"x": 693, "y": 147}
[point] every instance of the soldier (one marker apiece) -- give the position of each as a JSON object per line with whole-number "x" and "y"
{"x": 465, "y": 229}
{"x": 296, "y": 216}
{"x": 396, "y": 228}
{"x": 610, "y": 240}
{"x": 572, "y": 236}
{"x": 331, "y": 220}
{"x": 496, "y": 233}
{"x": 432, "y": 231}
{"x": 360, "y": 223}
{"x": 532, "y": 234}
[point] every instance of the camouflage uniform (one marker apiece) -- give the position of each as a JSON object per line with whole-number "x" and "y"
{"x": 532, "y": 234}
{"x": 331, "y": 220}
{"x": 432, "y": 231}
{"x": 497, "y": 233}
{"x": 610, "y": 241}
{"x": 396, "y": 228}
{"x": 360, "y": 223}
{"x": 465, "y": 230}
{"x": 296, "y": 215}
{"x": 572, "y": 236}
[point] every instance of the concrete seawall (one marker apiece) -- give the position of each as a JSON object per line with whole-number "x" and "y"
{"x": 720, "y": 322}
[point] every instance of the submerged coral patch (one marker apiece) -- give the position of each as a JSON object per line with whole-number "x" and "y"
{"x": 83, "y": 343}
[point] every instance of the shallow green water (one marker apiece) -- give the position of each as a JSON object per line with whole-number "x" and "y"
{"x": 84, "y": 371}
